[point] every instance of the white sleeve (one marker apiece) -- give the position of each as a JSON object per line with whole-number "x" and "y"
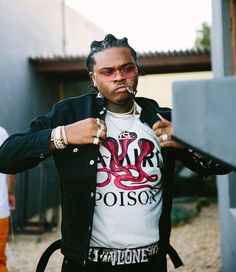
{"x": 3, "y": 135}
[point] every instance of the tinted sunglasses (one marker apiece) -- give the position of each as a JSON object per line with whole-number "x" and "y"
{"x": 129, "y": 70}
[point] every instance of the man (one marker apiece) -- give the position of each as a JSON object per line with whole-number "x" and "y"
{"x": 7, "y": 203}
{"x": 115, "y": 158}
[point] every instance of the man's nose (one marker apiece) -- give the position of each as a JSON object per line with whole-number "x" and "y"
{"x": 118, "y": 75}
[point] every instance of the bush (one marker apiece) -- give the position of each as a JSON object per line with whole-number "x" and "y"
{"x": 181, "y": 215}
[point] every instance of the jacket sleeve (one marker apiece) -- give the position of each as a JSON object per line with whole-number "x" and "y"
{"x": 22, "y": 151}
{"x": 200, "y": 163}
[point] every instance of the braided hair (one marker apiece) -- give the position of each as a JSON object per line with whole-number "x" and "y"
{"x": 108, "y": 42}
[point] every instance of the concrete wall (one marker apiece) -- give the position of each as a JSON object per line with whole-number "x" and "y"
{"x": 222, "y": 66}
{"x": 35, "y": 28}
{"x": 80, "y": 32}
{"x": 159, "y": 87}
{"x": 24, "y": 30}
{"x": 212, "y": 107}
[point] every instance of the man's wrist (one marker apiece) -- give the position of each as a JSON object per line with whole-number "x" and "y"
{"x": 59, "y": 138}
{"x": 11, "y": 193}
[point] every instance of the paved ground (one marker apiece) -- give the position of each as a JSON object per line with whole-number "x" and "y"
{"x": 198, "y": 244}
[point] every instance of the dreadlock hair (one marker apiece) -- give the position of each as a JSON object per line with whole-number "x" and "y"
{"x": 108, "y": 42}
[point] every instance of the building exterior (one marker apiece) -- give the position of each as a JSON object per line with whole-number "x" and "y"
{"x": 35, "y": 28}
{"x": 224, "y": 65}
{"x": 42, "y": 61}
{"x": 159, "y": 70}
{"x": 30, "y": 28}
{"x": 159, "y": 86}
{"x": 208, "y": 108}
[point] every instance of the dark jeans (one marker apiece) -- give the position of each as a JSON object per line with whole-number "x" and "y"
{"x": 156, "y": 263}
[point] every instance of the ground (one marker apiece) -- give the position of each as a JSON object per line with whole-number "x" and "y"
{"x": 198, "y": 244}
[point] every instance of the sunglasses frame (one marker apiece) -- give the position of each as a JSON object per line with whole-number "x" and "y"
{"x": 109, "y": 74}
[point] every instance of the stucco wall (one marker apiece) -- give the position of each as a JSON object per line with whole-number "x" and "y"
{"x": 24, "y": 30}
{"x": 222, "y": 67}
{"x": 80, "y": 32}
{"x": 35, "y": 28}
{"x": 159, "y": 87}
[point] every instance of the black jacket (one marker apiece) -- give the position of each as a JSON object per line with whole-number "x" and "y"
{"x": 77, "y": 167}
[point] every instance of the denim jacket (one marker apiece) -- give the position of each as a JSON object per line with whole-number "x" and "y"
{"x": 77, "y": 168}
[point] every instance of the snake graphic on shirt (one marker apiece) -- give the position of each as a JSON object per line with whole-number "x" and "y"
{"x": 129, "y": 177}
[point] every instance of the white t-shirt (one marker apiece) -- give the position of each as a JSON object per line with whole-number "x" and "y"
{"x": 129, "y": 189}
{"x": 4, "y": 205}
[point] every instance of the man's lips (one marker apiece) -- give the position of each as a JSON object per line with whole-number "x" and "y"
{"x": 121, "y": 88}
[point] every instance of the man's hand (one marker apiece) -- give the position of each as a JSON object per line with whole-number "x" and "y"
{"x": 11, "y": 183}
{"x": 12, "y": 201}
{"x": 86, "y": 131}
{"x": 162, "y": 129}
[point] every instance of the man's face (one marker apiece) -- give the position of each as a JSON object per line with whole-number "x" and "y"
{"x": 115, "y": 70}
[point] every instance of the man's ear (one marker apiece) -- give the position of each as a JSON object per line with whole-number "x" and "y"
{"x": 92, "y": 78}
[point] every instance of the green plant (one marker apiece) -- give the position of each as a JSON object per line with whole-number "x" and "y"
{"x": 202, "y": 202}
{"x": 203, "y": 39}
{"x": 181, "y": 215}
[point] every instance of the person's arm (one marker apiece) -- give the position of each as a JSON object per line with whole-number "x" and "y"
{"x": 25, "y": 150}
{"x": 22, "y": 151}
{"x": 192, "y": 159}
{"x": 200, "y": 163}
{"x": 11, "y": 179}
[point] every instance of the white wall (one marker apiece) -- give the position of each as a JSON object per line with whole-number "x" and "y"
{"x": 30, "y": 28}
{"x": 159, "y": 87}
{"x": 80, "y": 32}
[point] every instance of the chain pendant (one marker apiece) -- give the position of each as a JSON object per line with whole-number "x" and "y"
{"x": 124, "y": 135}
